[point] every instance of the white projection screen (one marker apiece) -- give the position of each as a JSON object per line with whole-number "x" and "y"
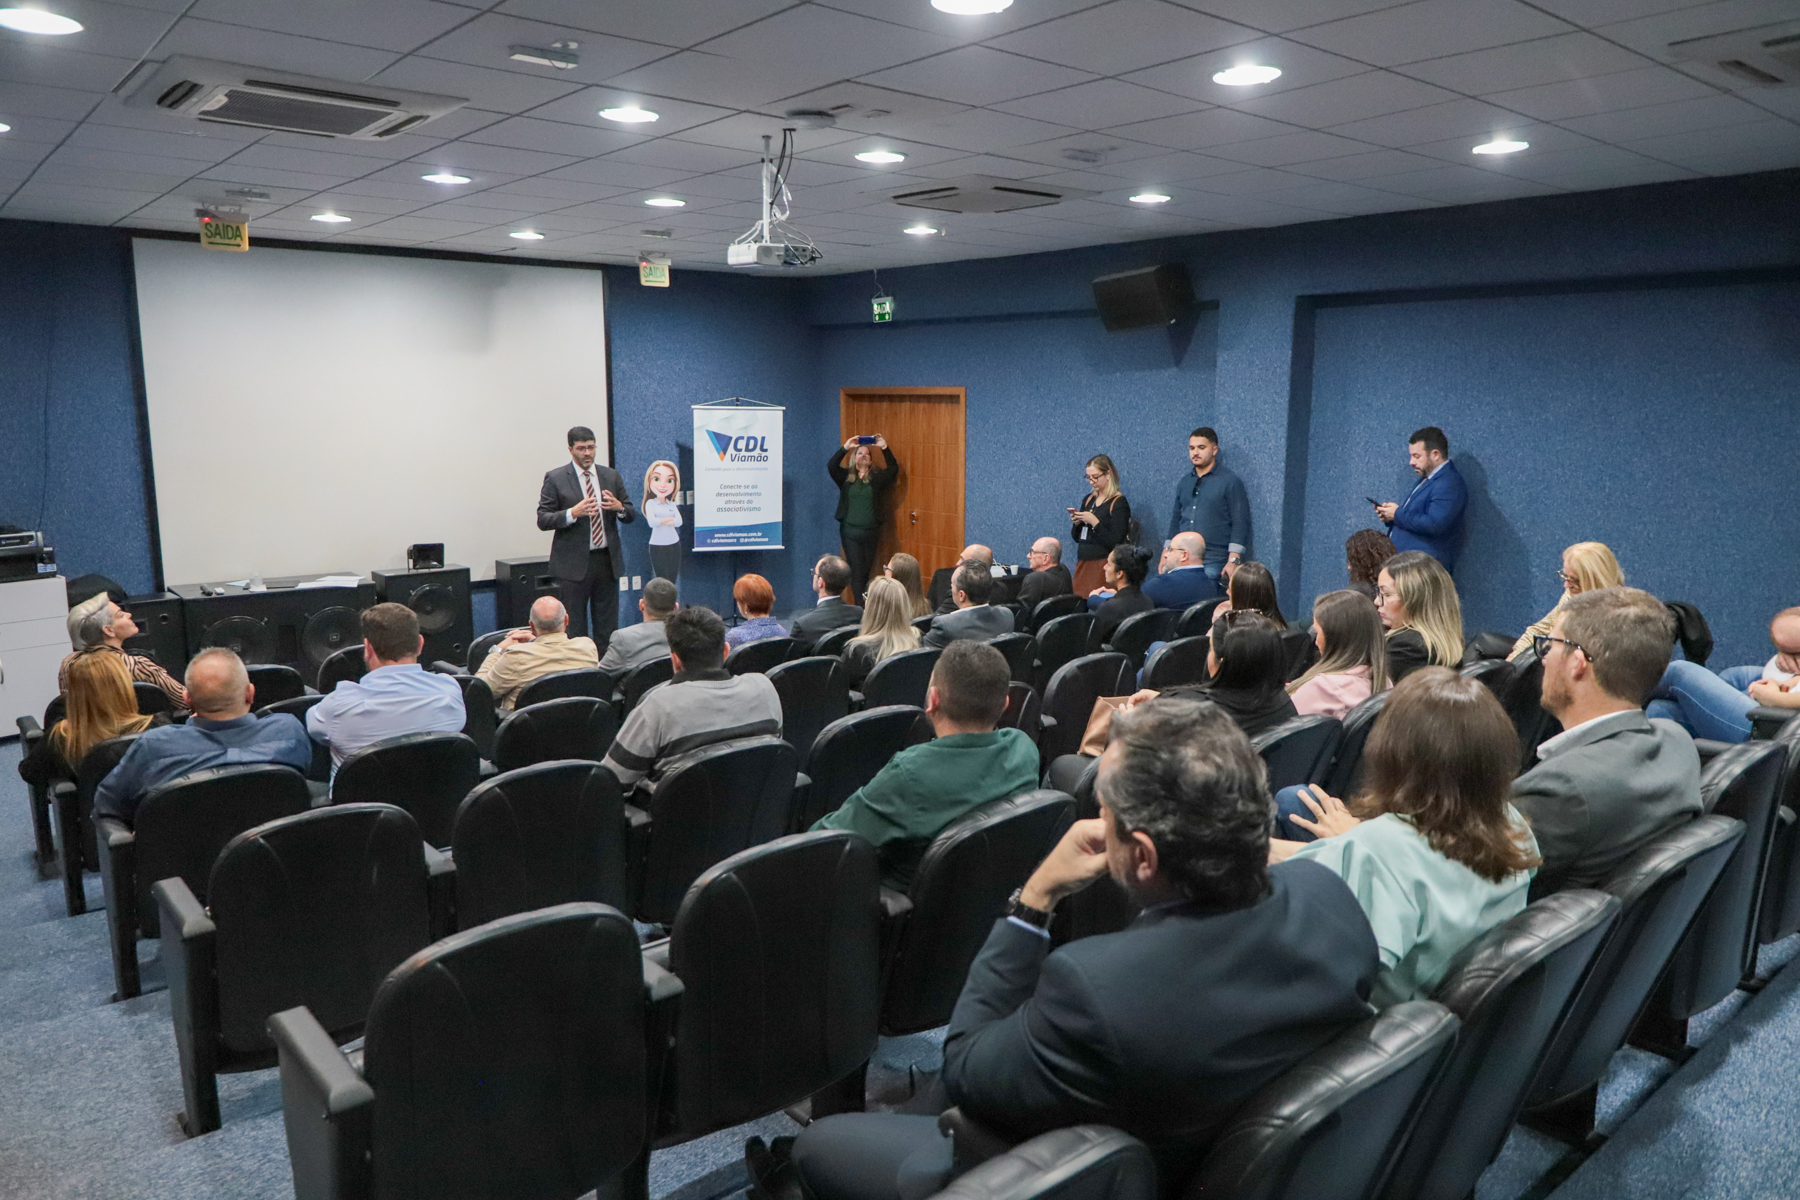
{"x": 315, "y": 412}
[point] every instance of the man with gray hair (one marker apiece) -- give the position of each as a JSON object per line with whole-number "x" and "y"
{"x": 637, "y": 644}
{"x": 99, "y": 626}
{"x": 1047, "y": 577}
{"x": 222, "y": 732}
{"x": 538, "y": 649}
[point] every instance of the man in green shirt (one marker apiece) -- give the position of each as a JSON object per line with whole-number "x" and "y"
{"x": 923, "y": 789}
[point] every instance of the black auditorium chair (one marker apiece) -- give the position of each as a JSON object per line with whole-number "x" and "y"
{"x": 312, "y": 909}
{"x": 570, "y": 727}
{"x": 1059, "y": 641}
{"x": 1298, "y": 652}
{"x": 30, "y": 734}
{"x": 179, "y": 830}
{"x": 1135, "y": 633}
{"x": 480, "y": 716}
{"x": 582, "y": 681}
{"x": 1197, "y": 619}
{"x": 297, "y": 708}
{"x": 851, "y": 751}
{"x": 1781, "y": 888}
{"x": 151, "y": 699}
{"x": 757, "y": 657}
{"x": 1660, "y": 888}
{"x": 347, "y": 663}
{"x": 965, "y": 877}
{"x": 541, "y": 835}
{"x": 1719, "y": 949}
{"x": 74, "y": 803}
{"x": 709, "y": 805}
{"x": 1023, "y": 711}
{"x": 1345, "y": 775}
{"x": 274, "y": 682}
{"x": 1069, "y": 699}
{"x": 1176, "y": 662}
{"x": 833, "y": 643}
{"x": 639, "y": 680}
{"x": 1510, "y": 989}
{"x": 1765, "y": 721}
{"x": 1299, "y": 750}
{"x": 814, "y": 692}
{"x": 1048, "y": 610}
{"x": 1077, "y": 1162}
{"x": 923, "y": 624}
{"x": 1496, "y": 673}
{"x": 504, "y": 1062}
{"x": 1524, "y": 705}
{"x": 478, "y": 649}
{"x": 427, "y": 774}
{"x": 899, "y": 679}
{"x": 1020, "y": 652}
{"x": 778, "y": 952}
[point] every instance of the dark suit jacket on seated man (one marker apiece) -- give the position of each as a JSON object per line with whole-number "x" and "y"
{"x": 831, "y": 575}
{"x": 1233, "y": 972}
{"x": 586, "y": 557}
{"x": 635, "y": 645}
{"x": 973, "y": 618}
{"x": 1184, "y": 582}
{"x": 941, "y": 595}
{"x": 222, "y": 733}
{"x": 925, "y": 788}
{"x": 1047, "y": 577}
{"x": 1614, "y": 778}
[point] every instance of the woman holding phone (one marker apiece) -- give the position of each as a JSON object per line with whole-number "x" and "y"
{"x": 860, "y": 486}
{"x": 1099, "y": 524}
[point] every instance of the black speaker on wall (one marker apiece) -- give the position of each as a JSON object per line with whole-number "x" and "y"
{"x": 517, "y": 583}
{"x": 161, "y": 635}
{"x": 441, "y": 598}
{"x": 1160, "y": 295}
{"x": 299, "y": 627}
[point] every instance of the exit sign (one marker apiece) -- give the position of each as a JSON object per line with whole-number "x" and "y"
{"x": 223, "y": 233}
{"x": 884, "y": 309}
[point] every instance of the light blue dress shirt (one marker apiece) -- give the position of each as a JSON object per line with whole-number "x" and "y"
{"x": 385, "y": 703}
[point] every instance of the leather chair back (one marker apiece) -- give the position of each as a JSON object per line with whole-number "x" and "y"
{"x": 1135, "y": 633}
{"x": 1497, "y": 674}
{"x": 150, "y": 699}
{"x": 1079, "y": 1162}
{"x": 1048, "y": 610}
{"x": 1020, "y": 652}
{"x": 546, "y": 834}
{"x": 297, "y": 708}
{"x": 923, "y": 623}
{"x": 347, "y": 663}
{"x": 757, "y": 657}
{"x": 1524, "y": 705}
{"x": 479, "y": 714}
{"x": 814, "y": 691}
{"x": 478, "y": 649}
{"x": 1781, "y": 887}
{"x": 900, "y": 679}
{"x": 1299, "y": 750}
{"x": 508, "y": 1061}
{"x": 1022, "y": 710}
{"x": 833, "y": 643}
{"x": 1298, "y": 652}
{"x": 1660, "y": 888}
{"x": 641, "y": 679}
{"x": 182, "y": 826}
{"x": 274, "y": 682}
{"x": 1180, "y": 661}
{"x": 959, "y": 891}
{"x": 569, "y": 727}
{"x": 1071, "y": 694}
{"x": 1330, "y": 1127}
{"x": 1060, "y": 640}
{"x": 314, "y": 909}
{"x": 1510, "y": 989}
{"x": 57, "y": 709}
{"x": 778, "y": 949}
{"x": 97, "y": 765}
{"x": 709, "y": 805}
{"x": 427, "y": 774}
{"x": 582, "y": 681}
{"x": 852, "y": 750}
{"x": 1345, "y": 775}
{"x": 1197, "y": 620}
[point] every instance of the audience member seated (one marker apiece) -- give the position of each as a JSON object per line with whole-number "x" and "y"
{"x": 1247, "y": 673}
{"x": 538, "y": 649}
{"x": 1252, "y": 589}
{"x": 1433, "y": 851}
{"x": 1047, "y": 577}
{"x": 1717, "y": 706}
{"x": 926, "y": 787}
{"x": 887, "y": 630}
{"x": 99, "y": 626}
{"x": 1586, "y": 567}
{"x": 637, "y": 644}
{"x": 1232, "y": 973}
{"x": 755, "y": 598}
{"x": 831, "y": 575}
{"x": 1182, "y": 580}
{"x": 1125, "y": 570}
{"x": 396, "y": 697}
{"x": 1423, "y": 617}
{"x": 1613, "y": 779}
{"x": 904, "y": 570}
{"x": 942, "y": 598}
{"x": 1364, "y": 553}
{"x": 704, "y": 703}
{"x": 1352, "y": 662}
{"x": 973, "y": 616}
{"x": 222, "y": 733}
{"x": 98, "y": 704}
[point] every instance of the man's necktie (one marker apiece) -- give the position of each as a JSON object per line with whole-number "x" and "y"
{"x": 596, "y": 523}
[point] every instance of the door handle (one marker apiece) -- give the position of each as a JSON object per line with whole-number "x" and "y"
{"x": 915, "y": 518}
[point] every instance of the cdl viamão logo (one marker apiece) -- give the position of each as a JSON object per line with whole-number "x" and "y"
{"x": 734, "y": 448}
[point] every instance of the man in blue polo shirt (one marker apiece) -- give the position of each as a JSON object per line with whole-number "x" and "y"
{"x": 1210, "y": 500}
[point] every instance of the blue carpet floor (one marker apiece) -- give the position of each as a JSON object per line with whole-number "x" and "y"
{"x": 89, "y": 1089}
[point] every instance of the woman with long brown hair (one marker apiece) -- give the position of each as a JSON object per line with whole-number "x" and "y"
{"x": 1252, "y": 589}
{"x": 1352, "y": 662}
{"x": 904, "y": 570}
{"x": 1099, "y": 524}
{"x": 100, "y": 704}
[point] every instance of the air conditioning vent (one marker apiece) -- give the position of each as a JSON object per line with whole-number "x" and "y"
{"x": 983, "y": 194}
{"x": 1767, "y": 56}
{"x": 230, "y": 94}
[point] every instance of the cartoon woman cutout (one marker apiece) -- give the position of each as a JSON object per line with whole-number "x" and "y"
{"x": 662, "y": 486}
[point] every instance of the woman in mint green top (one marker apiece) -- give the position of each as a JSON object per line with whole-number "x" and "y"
{"x": 1439, "y": 856}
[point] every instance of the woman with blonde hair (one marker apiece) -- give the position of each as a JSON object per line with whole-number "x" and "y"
{"x": 1099, "y": 524}
{"x": 861, "y": 485}
{"x": 1352, "y": 662}
{"x": 1586, "y": 567}
{"x": 887, "y": 629}
{"x": 100, "y": 704}
{"x": 1418, "y": 605}
{"x": 662, "y": 512}
{"x": 904, "y": 569}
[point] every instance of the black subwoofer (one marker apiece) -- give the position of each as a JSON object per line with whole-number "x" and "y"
{"x": 299, "y": 627}
{"x": 517, "y": 583}
{"x": 161, "y": 635}
{"x": 440, "y": 597}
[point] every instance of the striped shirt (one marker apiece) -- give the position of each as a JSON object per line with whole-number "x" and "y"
{"x": 141, "y": 670}
{"x": 695, "y": 709}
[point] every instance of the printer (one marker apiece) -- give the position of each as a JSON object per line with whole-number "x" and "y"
{"x": 24, "y": 556}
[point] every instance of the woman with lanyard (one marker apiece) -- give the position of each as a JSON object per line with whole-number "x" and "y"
{"x": 860, "y": 485}
{"x": 1099, "y": 524}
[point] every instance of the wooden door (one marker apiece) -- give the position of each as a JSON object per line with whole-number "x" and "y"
{"x": 924, "y": 508}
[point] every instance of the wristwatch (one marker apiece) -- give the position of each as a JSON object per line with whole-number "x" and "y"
{"x": 1016, "y": 907}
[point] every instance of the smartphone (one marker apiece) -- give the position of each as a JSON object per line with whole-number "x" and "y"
{"x": 1373, "y": 500}
{"x": 866, "y": 440}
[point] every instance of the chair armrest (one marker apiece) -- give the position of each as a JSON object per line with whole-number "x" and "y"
{"x": 440, "y": 891}
{"x": 971, "y": 1141}
{"x": 328, "y": 1107}
{"x": 1046, "y": 722}
{"x": 660, "y": 984}
{"x": 68, "y": 824}
{"x": 896, "y": 915}
{"x": 1709, "y": 749}
{"x": 1765, "y": 721}
{"x": 894, "y": 905}
{"x": 118, "y": 881}
{"x": 637, "y": 853}
{"x": 1785, "y": 815}
{"x": 802, "y": 781}
{"x": 439, "y": 667}
{"x": 189, "y": 952}
{"x": 29, "y": 731}
{"x": 856, "y": 700}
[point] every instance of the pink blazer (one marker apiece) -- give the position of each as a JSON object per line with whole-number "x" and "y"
{"x": 1333, "y": 695}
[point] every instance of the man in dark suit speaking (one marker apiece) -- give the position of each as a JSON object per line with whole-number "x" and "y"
{"x": 585, "y": 557}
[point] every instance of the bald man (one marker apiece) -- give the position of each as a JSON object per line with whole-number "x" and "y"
{"x": 1047, "y": 577}
{"x": 1184, "y": 580}
{"x": 939, "y": 594}
{"x": 222, "y": 732}
{"x": 537, "y": 649}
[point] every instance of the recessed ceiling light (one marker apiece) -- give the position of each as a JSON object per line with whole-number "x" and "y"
{"x": 971, "y": 8}
{"x": 1149, "y": 198}
{"x": 922, "y": 230}
{"x": 665, "y": 202}
{"x": 1501, "y": 146}
{"x": 36, "y": 20}
{"x": 1246, "y": 76}
{"x": 331, "y": 218}
{"x": 5, "y": 128}
{"x": 881, "y": 156}
{"x": 628, "y": 114}
{"x": 526, "y": 235}
{"x": 444, "y": 177}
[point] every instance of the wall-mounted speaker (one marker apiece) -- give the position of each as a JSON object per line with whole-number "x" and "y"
{"x": 1140, "y": 299}
{"x": 161, "y": 635}
{"x": 299, "y": 627}
{"x": 518, "y": 582}
{"x": 441, "y": 599}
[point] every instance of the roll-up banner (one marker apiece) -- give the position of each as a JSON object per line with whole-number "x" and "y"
{"x": 737, "y": 476}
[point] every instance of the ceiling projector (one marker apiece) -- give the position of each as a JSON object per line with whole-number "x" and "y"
{"x": 772, "y": 242}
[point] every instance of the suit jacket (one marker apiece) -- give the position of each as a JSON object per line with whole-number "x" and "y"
{"x": 1181, "y": 588}
{"x": 1407, "y": 652}
{"x": 1164, "y": 1029}
{"x": 569, "y": 546}
{"x": 821, "y": 619}
{"x": 978, "y": 623}
{"x": 1598, "y": 797}
{"x": 635, "y": 645}
{"x": 1039, "y": 586}
{"x": 1431, "y": 517}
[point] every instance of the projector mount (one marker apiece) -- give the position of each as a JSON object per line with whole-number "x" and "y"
{"x": 772, "y": 242}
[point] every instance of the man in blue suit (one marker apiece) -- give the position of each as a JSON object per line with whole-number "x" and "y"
{"x": 1431, "y": 517}
{"x": 1184, "y": 580}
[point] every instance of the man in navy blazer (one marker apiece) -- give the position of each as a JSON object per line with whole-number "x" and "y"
{"x": 1184, "y": 580}
{"x": 1232, "y": 973}
{"x": 1431, "y": 517}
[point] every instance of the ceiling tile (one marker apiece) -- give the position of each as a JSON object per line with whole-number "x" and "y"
{"x": 1542, "y": 139}
{"x": 1252, "y": 181}
{"x": 984, "y": 131}
{"x": 1091, "y": 41}
{"x": 963, "y": 28}
{"x": 1713, "y": 111}
{"x": 1457, "y": 118}
{"x": 1306, "y": 146}
{"x": 35, "y": 100}
{"x": 1602, "y": 93}
{"x": 978, "y": 75}
{"x": 48, "y": 131}
{"x": 1590, "y": 13}
{"x": 52, "y": 66}
{"x": 844, "y": 154}
{"x": 1371, "y": 94}
{"x": 1770, "y": 144}
{"x": 1551, "y": 166}
{"x": 487, "y": 41}
{"x": 672, "y": 116}
{"x": 423, "y": 228}
{"x": 1300, "y": 65}
{"x": 552, "y": 137}
{"x": 1460, "y": 185}
{"x": 499, "y": 91}
{"x": 1091, "y": 151}
{"x": 266, "y": 177}
{"x": 1527, "y": 64}
{"x": 1370, "y": 165}
{"x": 1345, "y": 198}
{"x": 1176, "y": 168}
{"x": 670, "y": 24}
{"x": 98, "y": 165}
{"x": 745, "y": 131}
{"x": 862, "y": 108}
{"x": 481, "y": 156}
{"x": 556, "y": 193}
{"x": 1431, "y": 29}
{"x": 378, "y": 151}
{"x": 1195, "y": 131}
{"x": 312, "y": 161}
{"x": 1278, "y": 16}
{"x": 985, "y": 164}
{"x": 274, "y": 51}
{"x": 619, "y": 174}
{"x": 467, "y": 210}
{"x": 1100, "y": 104}
{"x": 13, "y": 154}
{"x": 348, "y": 200}
{"x": 387, "y": 24}
{"x": 691, "y": 158}
{"x": 1652, "y": 34}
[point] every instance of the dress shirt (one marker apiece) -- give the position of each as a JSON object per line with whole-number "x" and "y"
{"x": 1215, "y": 506}
{"x": 161, "y": 755}
{"x": 587, "y": 479}
{"x": 387, "y": 702}
{"x": 509, "y": 668}
{"x": 1552, "y": 746}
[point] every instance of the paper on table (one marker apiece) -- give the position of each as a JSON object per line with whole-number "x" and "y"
{"x": 331, "y": 581}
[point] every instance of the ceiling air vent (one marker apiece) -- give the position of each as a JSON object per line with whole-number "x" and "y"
{"x": 1768, "y": 56}
{"x": 983, "y": 194}
{"x": 230, "y": 94}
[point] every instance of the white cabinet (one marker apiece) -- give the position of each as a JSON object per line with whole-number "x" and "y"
{"x": 34, "y": 638}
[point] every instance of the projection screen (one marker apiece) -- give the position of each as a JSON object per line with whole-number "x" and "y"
{"x": 315, "y": 412}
